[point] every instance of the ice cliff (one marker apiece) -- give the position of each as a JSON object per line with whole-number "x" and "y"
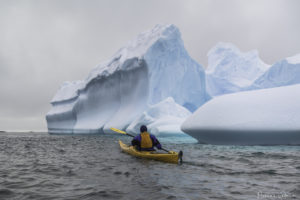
{"x": 266, "y": 117}
{"x": 229, "y": 70}
{"x": 147, "y": 70}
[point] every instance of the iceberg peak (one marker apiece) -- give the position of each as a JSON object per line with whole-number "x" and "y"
{"x": 165, "y": 37}
{"x": 229, "y": 70}
{"x": 282, "y": 73}
{"x": 142, "y": 42}
{"x": 294, "y": 59}
{"x": 220, "y": 55}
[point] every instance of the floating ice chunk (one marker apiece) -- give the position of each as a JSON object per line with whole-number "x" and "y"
{"x": 267, "y": 116}
{"x": 165, "y": 117}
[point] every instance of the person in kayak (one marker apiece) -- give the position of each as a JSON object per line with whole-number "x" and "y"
{"x": 145, "y": 141}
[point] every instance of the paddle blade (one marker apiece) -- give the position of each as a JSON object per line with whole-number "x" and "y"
{"x": 180, "y": 154}
{"x": 118, "y": 131}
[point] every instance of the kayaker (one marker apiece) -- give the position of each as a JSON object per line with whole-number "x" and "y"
{"x": 145, "y": 141}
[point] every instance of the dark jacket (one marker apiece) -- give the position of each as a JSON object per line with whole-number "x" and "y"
{"x": 138, "y": 139}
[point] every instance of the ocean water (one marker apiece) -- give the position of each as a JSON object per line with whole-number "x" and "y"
{"x": 43, "y": 166}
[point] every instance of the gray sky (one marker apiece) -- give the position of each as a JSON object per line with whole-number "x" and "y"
{"x": 46, "y": 42}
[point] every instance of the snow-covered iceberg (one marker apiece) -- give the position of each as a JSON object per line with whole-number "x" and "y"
{"x": 161, "y": 118}
{"x": 282, "y": 73}
{"x": 229, "y": 70}
{"x": 266, "y": 116}
{"x": 147, "y": 70}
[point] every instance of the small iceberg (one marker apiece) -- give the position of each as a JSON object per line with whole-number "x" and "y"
{"x": 259, "y": 117}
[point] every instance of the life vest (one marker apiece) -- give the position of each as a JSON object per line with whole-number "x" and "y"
{"x": 146, "y": 141}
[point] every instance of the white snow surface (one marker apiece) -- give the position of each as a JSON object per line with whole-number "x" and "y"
{"x": 161, "y": 118}
{"x": 267, "y": 116}
{"x": 68, "y": 90}
{"x": 147, "y": 70}
{"x": 294, "y": 59}
{"x": 229, "y": 70}
{"x": 282, "y": 73}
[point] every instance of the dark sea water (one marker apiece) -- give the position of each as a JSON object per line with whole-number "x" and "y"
{"x": 43, "y": 166}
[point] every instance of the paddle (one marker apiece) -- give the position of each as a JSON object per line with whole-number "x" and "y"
{"x": 123, "y": 132}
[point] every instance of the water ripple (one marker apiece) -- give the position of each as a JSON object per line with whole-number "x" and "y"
{"x": 42, "y": 166}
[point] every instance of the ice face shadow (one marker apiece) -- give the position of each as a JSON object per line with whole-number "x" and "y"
{"x": 246, "y": 137}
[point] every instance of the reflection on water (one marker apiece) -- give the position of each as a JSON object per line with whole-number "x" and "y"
{"x": 42, "y": 166}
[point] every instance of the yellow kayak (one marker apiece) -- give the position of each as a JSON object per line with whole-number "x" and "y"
{"x": 171, "y": 157}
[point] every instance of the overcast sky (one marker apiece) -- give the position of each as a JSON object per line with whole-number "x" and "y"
{"x": 46, "y": 42}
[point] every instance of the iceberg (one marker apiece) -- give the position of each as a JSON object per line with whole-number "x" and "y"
{"x": 164, "y": 117}
{"x": 282, "y": 73}
{"x": 257, "y": 117}
{"x": 229, "y": 70}
{"x": 146, "y": 71}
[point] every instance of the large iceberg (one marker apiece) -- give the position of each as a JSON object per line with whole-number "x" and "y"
{"x": 229, "y": 70}
{"x": 282, "y": 73}
{"x": 147, "y": 70}
{"x": 266, "y": 116}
